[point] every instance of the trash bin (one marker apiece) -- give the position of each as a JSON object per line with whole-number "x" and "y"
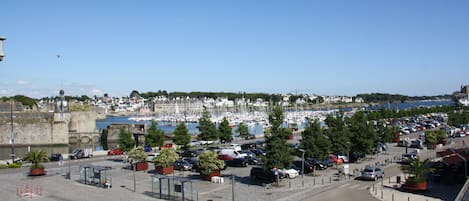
{"x": 398, "y": 179}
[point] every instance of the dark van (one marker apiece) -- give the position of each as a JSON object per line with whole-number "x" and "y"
{"x": 259, "y": 173}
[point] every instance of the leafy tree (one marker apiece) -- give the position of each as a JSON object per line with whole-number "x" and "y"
{"x": 225, "y": 131}
{"x": 126, "y": 140}
{"x": 314, "y": 142}
{"x": 363, "y": 136}
{"x": 155, "y": 137}
{"x": 242, "y": 130}
{"x": 181, "y": 135}
{"x": 387, "y": 133}
{"x": 278, "y": 153}
{"x": 207, "y": 128}
{"x": 338, "y": 133}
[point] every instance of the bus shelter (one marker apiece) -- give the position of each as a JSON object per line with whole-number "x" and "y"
{"x": 95, "y": 175}
{"x": 172, "y": 188}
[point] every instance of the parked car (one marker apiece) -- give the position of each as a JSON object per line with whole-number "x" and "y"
{"x": 237, "y": 162}
{"x": 372, "y": 173}
{"x": 259, "y": 152}
{"x": 407, "y": 158}
{"x": 289, "y": 173}
{"x": 416, "y": 144}
{"x": 253, "y": 160}
{"x": 151, "y": 156}
{"x": 195, "y": 164}
{"x": 308, "y": 167}
{"x": 187, "y": 153}
{"x": 264, "y": 175}
{"x": 318, "y": 164}
{"x": 248, "y": 153}
{"x": 403, "y": 143}
{"x": 250, "y": 137}
{"x": 182, "y": 164}
{"x": 335, "y": 159}
{"x": 115, "y": 152}
{"x": 81, "y": 153}
{"x": 328, "y": 162}
{"x": 147, "y": 148}
{"x": 355, "y": 156}
{"x": 55, "y": 157}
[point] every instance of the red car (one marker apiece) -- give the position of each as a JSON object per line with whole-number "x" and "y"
{"x": 115, "y": 152}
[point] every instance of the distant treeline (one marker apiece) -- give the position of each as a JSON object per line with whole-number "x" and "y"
{"x": 26, "y": 101}
{"x": 382, "y": 97}
{"x": 229, "y": 95}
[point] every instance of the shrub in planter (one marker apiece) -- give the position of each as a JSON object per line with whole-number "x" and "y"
{"x": 210, "y": 165}
{"x": 165, "y": 160}
{"x": 15, "y": 165}
{"x": 138, "y": 156}
{"x": 418, "y": 169}
{"x": 36, "y": 157}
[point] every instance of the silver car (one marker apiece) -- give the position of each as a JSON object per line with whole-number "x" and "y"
{"x": 372, "y": 173}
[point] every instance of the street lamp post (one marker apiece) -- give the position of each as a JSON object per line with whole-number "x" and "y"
{"x": 302, "y": 167}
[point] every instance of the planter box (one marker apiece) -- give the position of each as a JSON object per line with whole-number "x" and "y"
{"x": 141, "y": 166}
{"x": 36, "y": 172}
{"x": 209, "y": 176}
{"x": 416, "y": 186}
{"x": 164, "y": 170}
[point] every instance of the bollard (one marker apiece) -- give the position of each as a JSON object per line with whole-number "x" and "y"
{"x": 408, "y": 198}
{"x": 289, "y": 183}
{"x": 381, "y": 194}
{"x": 392, "y": 197}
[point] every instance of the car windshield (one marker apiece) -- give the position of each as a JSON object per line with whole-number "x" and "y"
{"x": 368, "y": 170}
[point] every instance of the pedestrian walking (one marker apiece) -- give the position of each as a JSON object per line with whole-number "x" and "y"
{"x": 61, "y": 160}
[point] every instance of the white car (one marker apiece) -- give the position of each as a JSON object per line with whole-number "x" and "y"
{"x": 289, "y": 173}
{"x": 151, "y": 156}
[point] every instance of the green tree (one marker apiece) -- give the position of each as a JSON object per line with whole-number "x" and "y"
{"x": 225, "y": 131}
{"x": 242, "y": 130}
{"x": 387, "y": 133}
{"x": 155, "y": 137}
{"x": 181, "y": 135}
{"x": 207, "y": 129}
{"x": 363, "y": 136}
{"x": 314, "y": 142}
{"x": 278, "y": 153}
{"x": 338, "y": 133}
{"x": 126, "y": 140}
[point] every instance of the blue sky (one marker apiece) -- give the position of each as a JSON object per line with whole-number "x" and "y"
{"x": 322, "y": 47}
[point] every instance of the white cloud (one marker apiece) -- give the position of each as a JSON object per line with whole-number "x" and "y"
{"x": 96, "y": 92}
{"x": 22, "y": 82}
